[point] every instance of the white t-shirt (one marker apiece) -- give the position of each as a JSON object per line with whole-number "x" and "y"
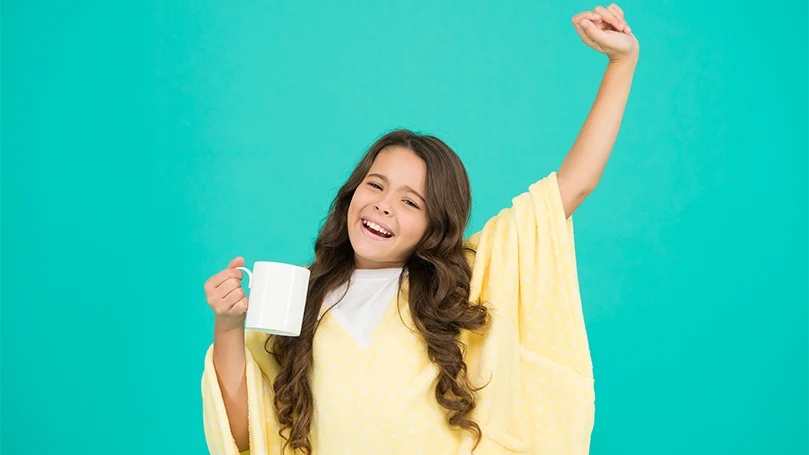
{"x": 369, "y": 293}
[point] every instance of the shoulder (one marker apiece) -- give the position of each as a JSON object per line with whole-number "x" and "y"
{"x": 470, "y": 246}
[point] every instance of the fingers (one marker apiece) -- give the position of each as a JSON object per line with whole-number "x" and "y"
{"x": 614, "y": 17}
{"x": 617, "y": 9}
{"x": 225, "y": 293}
{"x": 232, "y": 297}
{"x": 590, "y": 18}
{"x": 591, "y": 34}
{"x": 240, "y": 307}
{"x": 229, "y": 298}
{"x": 227, "y": 288}
{"x": 230, "y": 272}
{"x": 236, "y": 262}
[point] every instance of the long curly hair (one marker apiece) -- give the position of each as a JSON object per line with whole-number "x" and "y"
{"x": 439, "y": 277}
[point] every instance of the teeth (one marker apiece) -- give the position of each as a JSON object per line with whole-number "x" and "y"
{"x": 375, "y": 227}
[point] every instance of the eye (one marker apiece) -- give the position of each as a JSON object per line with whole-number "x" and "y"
{"x": 375, "y": 185}
{"x": 408, "y": 201}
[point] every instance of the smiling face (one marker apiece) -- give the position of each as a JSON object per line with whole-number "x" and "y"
{"x": 388, "y": 215}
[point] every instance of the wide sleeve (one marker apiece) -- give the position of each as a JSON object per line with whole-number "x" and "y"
{"x": 263, "y": 428}
{"x": 524, "y": 265}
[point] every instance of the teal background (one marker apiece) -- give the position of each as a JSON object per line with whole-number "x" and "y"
{"x": 146, "y": 144}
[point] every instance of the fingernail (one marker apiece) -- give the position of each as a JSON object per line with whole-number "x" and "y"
{"x": 583, "y": 24}
{"x": 628, "y": 30}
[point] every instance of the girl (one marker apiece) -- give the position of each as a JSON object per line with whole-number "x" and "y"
{"x": 414, "y": 339}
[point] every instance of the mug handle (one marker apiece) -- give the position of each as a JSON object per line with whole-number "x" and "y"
{"x": 249, "y": 275}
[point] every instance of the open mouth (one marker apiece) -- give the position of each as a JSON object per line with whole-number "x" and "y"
{"x": 376, "y": 230}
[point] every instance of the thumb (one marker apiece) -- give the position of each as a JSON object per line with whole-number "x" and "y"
{"x": 237, "y": 262}
{"x": 594, "y": 33}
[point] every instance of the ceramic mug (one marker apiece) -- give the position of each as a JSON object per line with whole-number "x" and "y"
{"x": 277, "y": 297}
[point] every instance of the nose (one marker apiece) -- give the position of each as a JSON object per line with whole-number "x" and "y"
{"x": 382, "y": 207}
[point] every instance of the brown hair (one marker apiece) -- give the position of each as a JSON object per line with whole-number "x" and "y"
{"x": 439, "y": 277}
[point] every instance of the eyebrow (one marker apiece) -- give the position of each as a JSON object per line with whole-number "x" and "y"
{"x": 407, "y": 188}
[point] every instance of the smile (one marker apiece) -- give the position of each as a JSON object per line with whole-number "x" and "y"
{"x": 375, "y": 231}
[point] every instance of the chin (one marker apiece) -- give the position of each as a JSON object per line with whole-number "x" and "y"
{"x": 373, "y": 250}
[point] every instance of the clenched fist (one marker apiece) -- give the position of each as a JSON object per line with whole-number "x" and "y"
{"x": 606, "y": 30}
{"x": 225, "y": 295}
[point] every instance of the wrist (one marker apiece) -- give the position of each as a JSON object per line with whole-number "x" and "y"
{"x": 629, "y": 59}
{"x": 225, "y": 327}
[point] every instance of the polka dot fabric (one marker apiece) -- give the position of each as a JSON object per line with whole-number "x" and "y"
{"x": 533, "y": 358}
{"x": 525, "y": 266}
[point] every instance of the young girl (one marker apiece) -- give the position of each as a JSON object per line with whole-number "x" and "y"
{"x": 414, "y": 339}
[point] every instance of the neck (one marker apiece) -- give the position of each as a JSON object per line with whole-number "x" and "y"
{"x": 362, "y": 264}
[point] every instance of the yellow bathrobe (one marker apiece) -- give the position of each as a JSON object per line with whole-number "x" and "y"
{"x": 381, "y": 399}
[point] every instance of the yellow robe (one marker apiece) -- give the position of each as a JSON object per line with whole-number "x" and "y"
{"x": 382, "y": 399}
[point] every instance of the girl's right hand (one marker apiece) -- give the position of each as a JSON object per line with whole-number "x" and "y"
{"x": 226, "y": 297}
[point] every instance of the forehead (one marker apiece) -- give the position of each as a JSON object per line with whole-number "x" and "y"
{"x": 401, "y": 166}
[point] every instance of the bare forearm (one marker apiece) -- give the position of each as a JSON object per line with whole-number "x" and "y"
{"x": 229, "y": 362}
{"x": 582, "y": 167}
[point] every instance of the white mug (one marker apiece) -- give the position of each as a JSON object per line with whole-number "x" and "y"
{"x": 277, "y": 298}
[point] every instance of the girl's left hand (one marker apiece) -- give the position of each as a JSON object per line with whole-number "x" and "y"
{"x": 605, "y": 30}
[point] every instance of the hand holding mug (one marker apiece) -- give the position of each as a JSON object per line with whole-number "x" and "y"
{"x": 226, "y": 296}
{"x": 280, "y": 297}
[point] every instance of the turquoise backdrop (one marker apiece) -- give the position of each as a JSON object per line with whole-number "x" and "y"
{"x": 145, "y": 144}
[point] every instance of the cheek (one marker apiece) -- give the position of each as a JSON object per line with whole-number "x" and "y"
{"x": 353, "y": 206}
{"x": 413, "y": 227}
{"x": 360, "y": 201}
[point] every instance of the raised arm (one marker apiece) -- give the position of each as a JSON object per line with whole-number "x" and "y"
{"x": 605, "y": 30}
